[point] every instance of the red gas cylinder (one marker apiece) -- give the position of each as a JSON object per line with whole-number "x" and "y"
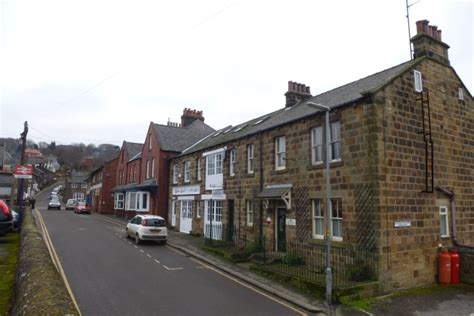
{"x": 454, "y": 266}
{"x": 444, "y": 267}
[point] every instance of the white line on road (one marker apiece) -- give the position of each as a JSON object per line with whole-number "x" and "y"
{"x": 148, "y": 255}
{"x": 142, "y": 251}
{"x": 129, "y": 243}
{"x": 135, "y": 247}
{"x": 172, "y": 269}
{"x": 157, "y": 261}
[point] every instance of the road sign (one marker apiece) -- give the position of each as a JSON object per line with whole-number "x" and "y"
{"x": 23, "y": 171}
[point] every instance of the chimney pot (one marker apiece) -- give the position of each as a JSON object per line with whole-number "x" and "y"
{"x": 419, "y": 26}
{"x": 439, "y": 34}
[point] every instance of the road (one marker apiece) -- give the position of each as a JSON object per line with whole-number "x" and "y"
{"x": 110, "y": 275}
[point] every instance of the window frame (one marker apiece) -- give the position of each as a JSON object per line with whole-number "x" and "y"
{"x": 187, "y": 171}
{"x": 336, "y": 144}
{"x": 418, "y": 81}
{"x": 315, "y": 146}
{"x": 249, "y": 213}
{"x": 337, "y": 219}
{"x": 199, "y": 169}
{"x": 175, "y": 174}
{"x": 119, "y": 201}
{"x": 280, "y": 153}
{"x": 461, "y": 94}
{"x": 317, "y": 216}
{"x": 250, "y": 159}
{"x": 443, "y": 212}
{"x": 232, "y": 162}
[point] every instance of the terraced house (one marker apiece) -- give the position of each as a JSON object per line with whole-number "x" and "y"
{"x": 143, "y": 169}
{"x": 401, "y": 169}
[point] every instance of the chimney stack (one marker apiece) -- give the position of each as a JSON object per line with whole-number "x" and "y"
{"x": 427, "y": 42}
{"x": 189, "y": 116}
{"x": 296, "y": 93}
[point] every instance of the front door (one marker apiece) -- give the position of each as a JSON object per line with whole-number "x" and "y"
{"x": 173, "y": 213}
{"x": 186, "y": 217}
{"x": 230, "y": 230}
{"x": 281, "y": 229}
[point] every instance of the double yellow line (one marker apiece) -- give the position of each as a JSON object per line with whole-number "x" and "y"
{"x": 54, "y": 256}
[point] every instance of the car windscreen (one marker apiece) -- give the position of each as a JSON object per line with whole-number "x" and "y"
{"x": 54, "y": 200}
{"x": 154, "y": 222}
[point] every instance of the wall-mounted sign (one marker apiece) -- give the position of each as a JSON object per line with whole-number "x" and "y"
{"x": 186, "y": 190}
{"x": 402, "y": 224}
{"x": 23, "y": 172}
{"x": 290, "y": 222}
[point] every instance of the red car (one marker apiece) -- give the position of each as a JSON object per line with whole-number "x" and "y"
{"x": 82, "y": 207}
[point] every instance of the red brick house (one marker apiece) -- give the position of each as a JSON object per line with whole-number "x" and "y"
{"x": 75, "y": 186}
{"x": 109, "y": 180}
{"x": 150, "y": 190}
{"x": 94, "y": 188}
{"x": 129, "y": 152}
{"x": 401, "y": 169}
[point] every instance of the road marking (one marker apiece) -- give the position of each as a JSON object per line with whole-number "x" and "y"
{"x": 55, "y": 259}
{"x": 172, "y": 269}
{"x": 148, "y": 255}
{"x": 129, "y": 242}
{"x": 135, "y": 247}
{"x": 157, "y": 261}
{"x": 142, "y": 251}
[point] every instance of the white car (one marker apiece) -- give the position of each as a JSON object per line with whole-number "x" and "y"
{"x": 147, "y": 227}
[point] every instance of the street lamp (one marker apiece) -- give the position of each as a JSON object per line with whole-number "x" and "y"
{"x": 328, "y": 201}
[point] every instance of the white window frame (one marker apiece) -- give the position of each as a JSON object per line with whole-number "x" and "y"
{"x": 175, "y": 174}
{"x": 153, "y": 168}
{"x": 317, "y": 217}
{"x": 119, "y": 201}
{"x": 131, "y": 201}
{"x": 187, "y": 171}
{"x": 186, "y": 209}
{"x": 148, "y": 169}
{"x": 336, "y": 147}
{"x": 337, "y": 219}
{"x": 443, "y": 221}
{"x": 232, "y": 160}
{"x": 418, "y": 81}
{"x": 135, "y": 201}
{"x": 250, "y": 159}
{"x": 317, "y": 145}
{"x": 199, "y": 169}
{"x": 461, "y": 94}
{"x": 249, "y": 211}
{"x": 149, "y": 142}
{"x": 280, "y": 153}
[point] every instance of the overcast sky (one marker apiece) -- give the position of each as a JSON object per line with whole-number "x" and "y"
{"x": 97, "y": 71}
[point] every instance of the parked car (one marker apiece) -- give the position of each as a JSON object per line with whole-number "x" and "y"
{"x": 82, "y": 207}
{"x": 147, "y": 227}
{"x": 6, "y": 218}
{"x": 53, "y": 195}
{"x": 70, "y": 204}
{"x": 54, "y": 203}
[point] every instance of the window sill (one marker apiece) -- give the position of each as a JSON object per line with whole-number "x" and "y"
{"x": 445, "y": 237}
{"x": 332, "y": 164}
{"x": 334, "y": 243}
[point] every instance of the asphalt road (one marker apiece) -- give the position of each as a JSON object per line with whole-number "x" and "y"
{"x": 110, "y": 275}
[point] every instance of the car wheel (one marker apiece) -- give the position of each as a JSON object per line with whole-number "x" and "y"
{"x": 137, "y": 239}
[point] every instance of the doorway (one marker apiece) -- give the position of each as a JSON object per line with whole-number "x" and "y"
{"x": 280, "y": 229}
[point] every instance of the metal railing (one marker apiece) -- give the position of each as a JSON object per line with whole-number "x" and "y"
{"x": 351, "y": 264}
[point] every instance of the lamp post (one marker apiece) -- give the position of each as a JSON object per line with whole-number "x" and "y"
{"x": 328, "y": 202}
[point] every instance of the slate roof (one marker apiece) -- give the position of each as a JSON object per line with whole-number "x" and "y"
{"x": 133, "y": 148}
{"x": 337, "y": 97}
{"x": 179, "y": 138}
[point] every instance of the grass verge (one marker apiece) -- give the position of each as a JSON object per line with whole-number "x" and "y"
{"x": 10, "y": 244}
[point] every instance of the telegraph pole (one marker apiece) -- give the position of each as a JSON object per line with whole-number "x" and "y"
{"x": 22, "y": 162}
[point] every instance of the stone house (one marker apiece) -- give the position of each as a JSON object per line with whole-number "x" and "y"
{"x": 75, "y": 186}
{"x": 401, "y": 157}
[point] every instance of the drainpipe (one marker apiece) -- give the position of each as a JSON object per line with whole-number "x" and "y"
{"x": 260, "y": 158}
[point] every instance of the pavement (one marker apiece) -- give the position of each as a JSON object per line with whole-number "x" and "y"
{"x": 454, "y": 300}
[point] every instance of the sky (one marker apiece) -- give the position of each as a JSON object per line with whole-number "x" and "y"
{"x": 99, "y": 71}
